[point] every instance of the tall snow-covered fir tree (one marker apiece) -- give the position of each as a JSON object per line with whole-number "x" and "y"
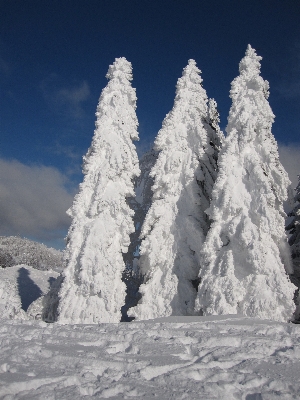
{"x": 176, "y": 225}
{"x": 92, "y": 290}
{"x": 245, "y": 259}
{"x": 294, "y": 241}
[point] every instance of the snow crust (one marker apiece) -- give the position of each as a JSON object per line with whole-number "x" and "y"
{"x": 219, "y": 357}
{"x": 176, "y": 224}
{"x": 245, "y": 260}
{"x": 92, "y": 290}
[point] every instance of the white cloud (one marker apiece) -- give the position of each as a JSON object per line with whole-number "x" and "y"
{"x": 33, "y": 201}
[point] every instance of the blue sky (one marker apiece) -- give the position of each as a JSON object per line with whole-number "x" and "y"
{"x": 54, "y": 56}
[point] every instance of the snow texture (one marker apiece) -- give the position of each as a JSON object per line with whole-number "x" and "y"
{"x": 245, "y": 254}
{"x": 176, "y": 225}
{"x": 294, "y": 241}
{"x": 92, "y": 290}
{"x": 182, "y": 358}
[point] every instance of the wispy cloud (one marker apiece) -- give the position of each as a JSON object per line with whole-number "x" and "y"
{"x": 65, "y": 100}
{"x": 75, "y": 165}
{"x": 33, "y": 200}
{"x": 72, "y": 98}
{"x": 67, "y": 151}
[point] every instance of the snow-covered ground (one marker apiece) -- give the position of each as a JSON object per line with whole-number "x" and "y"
{"x": 225, "y": 357}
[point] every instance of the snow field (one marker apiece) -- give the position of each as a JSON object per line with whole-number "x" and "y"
{"x": 224, "y": 357}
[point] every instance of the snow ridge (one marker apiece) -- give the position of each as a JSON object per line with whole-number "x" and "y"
{"x": 176, "y": 225}
{"x": 92, "y": 290}
{"x": 245, "y": 255}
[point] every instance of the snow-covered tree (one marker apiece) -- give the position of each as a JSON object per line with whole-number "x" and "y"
{"x": 294, "y": 241}
{"x": 92, "y": 290}
{"x": 140, "y": 204}
{"x": 176, "y": 225}
{"x": 245, "y": 259}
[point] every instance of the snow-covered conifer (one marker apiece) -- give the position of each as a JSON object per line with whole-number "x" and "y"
{"x": 92, "y": 290}
{"x": 294, "y": 241}
{"x": 245, "y": 255}
{"x": 140, "y": 204}
{"x": 176, "y": 225}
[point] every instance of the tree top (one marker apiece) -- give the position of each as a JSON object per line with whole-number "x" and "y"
{"x": 121, "y": 68}
{"x": 190, "y": 77}
{"x": 250, "y": 64}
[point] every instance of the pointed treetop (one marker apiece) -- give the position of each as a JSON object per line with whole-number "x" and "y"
{"x": 192, "y": 63}
{"x": 190, "y": 76}
{"x": 249, "y": 80}
{"x": 121, "y": 68}
{"x": 250, "y": 64}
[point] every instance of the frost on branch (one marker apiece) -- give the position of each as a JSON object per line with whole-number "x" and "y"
{"x": 294, "y": 242}
{"x": 92, "y": 290}
{"x": 176, "y": 224}
{"x": 245, "y": 260}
